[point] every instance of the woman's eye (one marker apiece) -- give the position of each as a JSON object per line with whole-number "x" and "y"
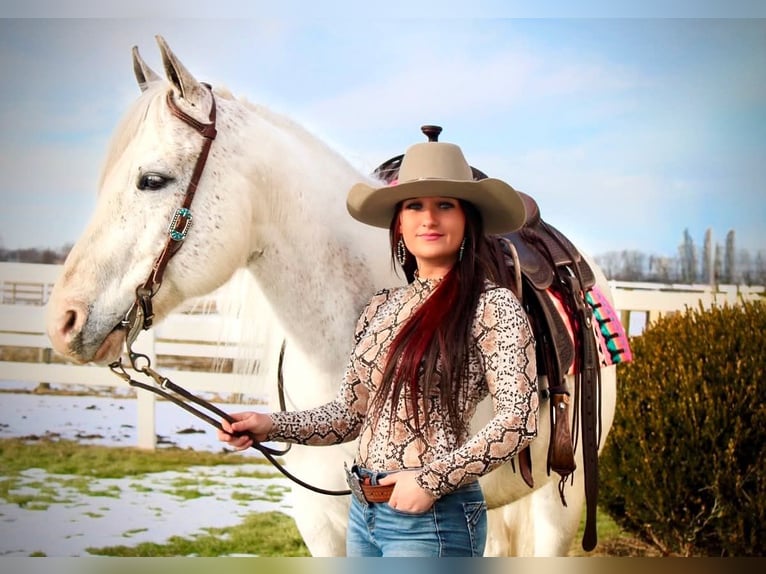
{"x": 446, "y": 205}
{"x": 152, "y": 181}
{"x": 413, "y": 205}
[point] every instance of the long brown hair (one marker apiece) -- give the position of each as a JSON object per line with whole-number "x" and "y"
{"x": 429, "y": 355}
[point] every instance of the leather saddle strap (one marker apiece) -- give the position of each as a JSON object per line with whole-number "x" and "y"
{"x": 587, "y": 381}
{"x": 588, "y": 393}
{"x": 555, "y": 355}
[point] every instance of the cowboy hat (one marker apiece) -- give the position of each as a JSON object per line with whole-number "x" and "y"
{"x": 438, "y": 169}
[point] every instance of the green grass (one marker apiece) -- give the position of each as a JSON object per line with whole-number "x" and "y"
{"x": 264, "y": 534}
{"x": 269, "y": 534}
{"x": 71, "y": 457}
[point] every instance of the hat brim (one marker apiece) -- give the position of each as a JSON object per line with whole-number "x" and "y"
{"x": 501, "y": 206}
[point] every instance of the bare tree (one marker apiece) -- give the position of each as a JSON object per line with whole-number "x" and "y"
{"x": 633, "y": 265}
{"x": 744, "y": 267}
{"x": 688, "y": 256}
{"x": 707, "y": 258}
{"x": 609, "y": 263}
{"x": 662, "y": 269}
{"x": 729, "y": 265}
{"x": 717, "y": 265}
{"x": 759, "y": 269}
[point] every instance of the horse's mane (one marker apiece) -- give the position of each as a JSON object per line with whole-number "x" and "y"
{"x": 127, "y": 128}
{"x": 137, "y": 113}
{"x": 317, "y": 146}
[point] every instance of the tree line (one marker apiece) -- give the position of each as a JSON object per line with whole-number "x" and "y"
{"x": 36, "y": 255}
{"x": 711, "y": 264}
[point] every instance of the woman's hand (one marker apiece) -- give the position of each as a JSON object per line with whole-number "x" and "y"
{"x": 258, "y": 424}
{"x": 407, "y": 496}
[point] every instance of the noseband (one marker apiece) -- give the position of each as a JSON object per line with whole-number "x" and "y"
{"x": 140, "y": 315}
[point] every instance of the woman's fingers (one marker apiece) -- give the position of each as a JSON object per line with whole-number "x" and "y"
{"x": 244, "y": 428}
{"x": 228, "y": 432}
{"x": 407, "y": 496}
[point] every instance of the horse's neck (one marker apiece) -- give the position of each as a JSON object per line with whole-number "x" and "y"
{"x": 317, "y": 284}
{"x": 315, "y": 265}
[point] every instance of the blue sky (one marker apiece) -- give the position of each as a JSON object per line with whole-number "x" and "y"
{"x": 626, "y": 130}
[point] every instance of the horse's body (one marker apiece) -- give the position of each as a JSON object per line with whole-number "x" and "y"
{"x": 271, "y": 199}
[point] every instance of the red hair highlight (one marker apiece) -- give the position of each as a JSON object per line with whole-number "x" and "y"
{"x": 410, "y": 345}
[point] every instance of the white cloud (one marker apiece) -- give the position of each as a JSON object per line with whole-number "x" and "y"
{"x": 454, "y": 82}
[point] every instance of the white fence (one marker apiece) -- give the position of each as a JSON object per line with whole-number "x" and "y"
{"x": 640, "y": 304}
{"x": 185, "y": 335}
{"x": 25, "y": 289}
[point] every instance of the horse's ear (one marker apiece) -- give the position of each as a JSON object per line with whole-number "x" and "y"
{"x": 144, "y": 74}
{"x": 180, "y": 78}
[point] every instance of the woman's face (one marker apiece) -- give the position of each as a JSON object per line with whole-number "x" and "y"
{"x": 433, "y": 229}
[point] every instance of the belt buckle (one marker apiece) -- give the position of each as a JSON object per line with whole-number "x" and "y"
{"x": 352, "y": 479}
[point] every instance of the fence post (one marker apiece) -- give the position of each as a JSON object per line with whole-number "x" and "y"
{"x": 146, "y": 429}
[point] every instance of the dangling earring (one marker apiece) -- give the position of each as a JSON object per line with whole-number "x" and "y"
{"x": 401, "y": 252}
{"x": 462, "y": 248}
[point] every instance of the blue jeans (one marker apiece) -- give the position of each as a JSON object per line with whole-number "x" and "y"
{"x": 456, "y": 525}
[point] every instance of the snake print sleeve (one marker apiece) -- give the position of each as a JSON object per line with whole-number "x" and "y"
{"x": 504, "y": 342}
{"x": 335, "y": 422}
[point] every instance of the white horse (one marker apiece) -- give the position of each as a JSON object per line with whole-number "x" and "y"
{"x": 271, "y": 198}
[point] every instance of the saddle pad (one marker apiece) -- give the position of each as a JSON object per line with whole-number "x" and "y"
{"x": 612, "y": 337}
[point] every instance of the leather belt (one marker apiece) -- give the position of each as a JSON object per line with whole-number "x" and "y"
{"x": 364, "y": 491}
{"x": 375, "y": 492}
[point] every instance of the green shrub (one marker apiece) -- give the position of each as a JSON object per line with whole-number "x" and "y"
{"x": 684, "y": 466}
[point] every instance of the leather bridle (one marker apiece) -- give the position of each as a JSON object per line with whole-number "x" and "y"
{"x": 182, "y": 219}
{"x": 140, "y": 315}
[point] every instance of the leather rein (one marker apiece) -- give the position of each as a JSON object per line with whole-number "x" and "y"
{"x": 140, "y": 315}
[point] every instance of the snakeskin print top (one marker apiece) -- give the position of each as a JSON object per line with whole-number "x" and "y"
{"x": 501, "y": 363}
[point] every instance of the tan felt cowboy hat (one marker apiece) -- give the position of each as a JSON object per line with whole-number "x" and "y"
{"x": 438, "y": 169}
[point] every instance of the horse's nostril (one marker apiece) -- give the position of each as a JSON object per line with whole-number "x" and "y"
{"x": 65, "y": 324}
{"x": 69, "y": 322}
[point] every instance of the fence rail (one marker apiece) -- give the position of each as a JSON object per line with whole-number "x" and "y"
{"x": 187, "y": 334}
{"x": 640, "y": 304}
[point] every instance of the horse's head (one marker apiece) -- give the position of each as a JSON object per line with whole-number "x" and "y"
{"x": 148, "y": 175}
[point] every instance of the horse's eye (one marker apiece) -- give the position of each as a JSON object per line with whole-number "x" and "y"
{"x": 152, "y": 181}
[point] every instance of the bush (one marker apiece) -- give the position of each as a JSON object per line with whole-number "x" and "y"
{"x": 684, "y": 466}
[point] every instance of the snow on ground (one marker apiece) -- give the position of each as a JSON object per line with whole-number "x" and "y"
{"x": 131, "y": 510}
{"x": 104, "y": 420}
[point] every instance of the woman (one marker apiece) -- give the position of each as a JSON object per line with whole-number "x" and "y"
{"x": 424, "y": 356}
